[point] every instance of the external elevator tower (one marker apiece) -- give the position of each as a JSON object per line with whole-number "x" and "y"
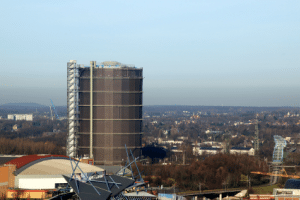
{"x": 109, "y": 112}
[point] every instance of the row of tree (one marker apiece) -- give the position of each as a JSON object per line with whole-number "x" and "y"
{"x": 214, "y": 172}
{"x": 27, "y": 147}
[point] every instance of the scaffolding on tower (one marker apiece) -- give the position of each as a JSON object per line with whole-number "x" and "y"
{"x": 72, "y": 108}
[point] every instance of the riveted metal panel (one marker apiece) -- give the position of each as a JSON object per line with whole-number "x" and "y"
{"x": 99, "y": 84}
{"x": 84, "y": 125}
{"x": 117, "y": 87}
{"x": 99, "y": 98}
{"x": 129, "y": 139}
{"x": 84, "y": 72}
{"x": 84, "y": 84}
{"x": 99, "y": 156}
{"x": 118, "y": 156}
{"x": 84, "y": 98}
{"x": 84, "y": 112}
{"x": 84, "y": 140}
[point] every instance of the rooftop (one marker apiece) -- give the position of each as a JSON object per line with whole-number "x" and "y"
{"x": 114, "y": 64}
{"x": 241, "y": 148}
{"x": 24, "y": 160}
{"x": 48, "y": 165}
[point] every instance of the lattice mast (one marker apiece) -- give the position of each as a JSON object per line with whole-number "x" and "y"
{"x": 72, "y": 106}
{"x": 280, "y": 144}
{"x": 256, "y": 141}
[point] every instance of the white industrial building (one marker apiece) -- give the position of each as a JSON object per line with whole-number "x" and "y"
{"x": 44, "y": 172}
{"x": 18, "y": 117}
{"x": 219, "y": 149}
{"x": 207, "y": 150}
{"x": 242, "y": 150}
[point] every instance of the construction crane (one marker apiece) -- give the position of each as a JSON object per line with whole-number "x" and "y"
{"x": 51, "y": 113}
{"x": 56, "y": 115}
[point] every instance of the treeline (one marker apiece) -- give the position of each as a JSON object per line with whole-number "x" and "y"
{"x": 29, "y": 129}
{"x": 27, "y": 147}
{"x": 215, "y": 172}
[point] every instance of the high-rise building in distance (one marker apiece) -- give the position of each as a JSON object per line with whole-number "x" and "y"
{"x": 104, "y": 111}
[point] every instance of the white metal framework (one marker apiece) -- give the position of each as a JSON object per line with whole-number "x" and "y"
{"x": 72, "y": 104}
{"x": 280, "y": 143}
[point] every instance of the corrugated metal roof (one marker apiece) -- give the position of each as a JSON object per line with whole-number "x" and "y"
{"x": 6, "y": 158}
{"x": 24, "y": 160}
{"x": 56, "y": 167}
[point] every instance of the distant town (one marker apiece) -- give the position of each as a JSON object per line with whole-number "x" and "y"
{"x": 198, "y": 130}
{"x": 175, "y": 139}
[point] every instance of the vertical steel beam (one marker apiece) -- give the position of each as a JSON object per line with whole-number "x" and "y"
{"x": 92, "y": 66}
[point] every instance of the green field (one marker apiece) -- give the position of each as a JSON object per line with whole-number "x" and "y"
{"x": 268, "y": 189}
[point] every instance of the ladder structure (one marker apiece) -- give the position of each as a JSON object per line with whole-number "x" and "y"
{"x": 72, "y": 108}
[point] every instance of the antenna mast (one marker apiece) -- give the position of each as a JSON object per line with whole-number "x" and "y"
{"x": 256, "y": 141}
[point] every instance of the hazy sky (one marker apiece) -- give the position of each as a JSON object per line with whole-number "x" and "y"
{"x": 231, "y": 53}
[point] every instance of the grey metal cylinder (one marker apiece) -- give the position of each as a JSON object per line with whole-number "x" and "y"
{"x": 116, "y": 115}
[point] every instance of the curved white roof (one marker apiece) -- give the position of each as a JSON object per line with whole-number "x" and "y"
{"x": 58, "y": 167}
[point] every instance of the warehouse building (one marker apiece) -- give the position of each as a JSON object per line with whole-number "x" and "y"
{"x": 35, "y": 173}
{"x": 20, "y": 117}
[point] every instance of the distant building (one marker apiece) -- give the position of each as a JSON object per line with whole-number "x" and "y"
{"x": 242, "y": 150}
{"x": 16, "y": 127}
{"x": 212, "y": 144}
{"x": 213, "y": 132}
{"x": 286, "y": 192}
{"x": 10, "y": 117}
{"x": 207, "y": 150}
{"x": 18, "y": 117}
{"x": 171, "y": 142}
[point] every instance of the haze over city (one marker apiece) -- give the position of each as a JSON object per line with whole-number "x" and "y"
{"x": 231, "y": 53}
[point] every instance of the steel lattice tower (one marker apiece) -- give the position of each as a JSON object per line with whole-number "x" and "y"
{"x": 256, "y": 141}
{"x": 280, "y": 143}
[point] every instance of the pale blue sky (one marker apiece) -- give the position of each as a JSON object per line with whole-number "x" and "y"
{"x": 231, "y": 53}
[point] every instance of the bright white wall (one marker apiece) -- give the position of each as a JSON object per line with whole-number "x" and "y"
{"x": 39, "y": 183}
